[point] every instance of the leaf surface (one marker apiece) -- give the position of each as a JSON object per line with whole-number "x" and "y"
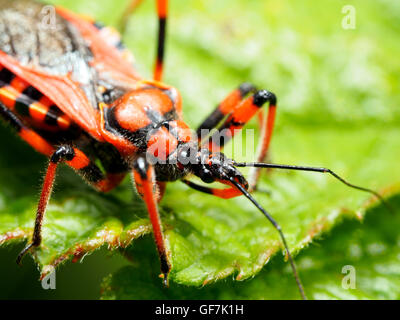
{"x": 337, "y": 110}
{"x": 356, "y": 260}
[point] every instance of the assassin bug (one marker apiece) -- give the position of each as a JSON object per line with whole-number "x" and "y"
{"x": 73, "y": 95}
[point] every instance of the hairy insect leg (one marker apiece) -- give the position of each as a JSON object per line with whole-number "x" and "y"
{"x": 76, "y": 159}
{"x": 238, "y": 118}
{"x": 143, "y": 174}
{"x": 63, "y": 153}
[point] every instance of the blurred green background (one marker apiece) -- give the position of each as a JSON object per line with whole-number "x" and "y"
{"x": 329, "y": 80}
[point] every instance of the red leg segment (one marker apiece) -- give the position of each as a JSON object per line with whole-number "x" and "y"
{"x": 41, "y": 209}
{"x": 80, "y": 162}
{"x": 143, "y": 174}
{"x": 227, "y": 193}
{"x": 162, "y": 11}
{"x": 267, "y": 128}
{"x": 239, "y": 114}
{"x": 226, "y": 107}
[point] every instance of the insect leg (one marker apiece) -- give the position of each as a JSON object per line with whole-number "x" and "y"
{"x": 241, "y": 115}
{"x": 237, "y": 120}
{"x": 91, "y": 172}
{"x": 143, "y": 174}
{"x": 76, "y": 159}
{"x": 130, "y": 9}
{"x": 62, "y": 153}
{"x": 162, "y": 11}
{"x": 226, "y": 107}
{"x": 227, "y": 193}
{"x": 113, "y": 165}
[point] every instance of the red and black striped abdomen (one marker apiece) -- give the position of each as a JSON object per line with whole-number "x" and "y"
{"x": 30, "y": 105}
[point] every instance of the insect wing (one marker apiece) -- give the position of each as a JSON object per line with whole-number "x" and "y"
{"x": 107, "y": 59}
{"x": 64, "y": 92}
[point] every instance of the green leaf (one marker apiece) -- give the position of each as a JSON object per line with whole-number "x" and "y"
{"x": 209, "y": 238}
{"x": 78, "y": 220}
{"x": 369, "y": 249}
{"x": 337, "y": 109}
{"x": 304, "y": 204}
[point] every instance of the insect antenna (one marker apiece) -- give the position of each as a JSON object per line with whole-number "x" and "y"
{"x": 313, "y": 169}
{"x": 278, "y": 228}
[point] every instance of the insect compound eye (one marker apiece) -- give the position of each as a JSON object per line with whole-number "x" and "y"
{"x": 206, "y": 175}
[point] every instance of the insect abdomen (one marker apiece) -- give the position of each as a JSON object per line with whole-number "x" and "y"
{"x": 30, "y": 104}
